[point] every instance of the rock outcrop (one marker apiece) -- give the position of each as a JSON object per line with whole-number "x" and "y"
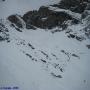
{"x": 17, "y": 21}
{"x": 45, "y": 18}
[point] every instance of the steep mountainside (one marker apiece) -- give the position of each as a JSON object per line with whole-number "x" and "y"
{"x": 47, "y": 47}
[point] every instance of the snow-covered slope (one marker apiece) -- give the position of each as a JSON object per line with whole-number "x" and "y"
{"x": 41, "y": 59}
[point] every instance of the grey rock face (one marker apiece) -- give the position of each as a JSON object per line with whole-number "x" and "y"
{"x": 46, "y": 18}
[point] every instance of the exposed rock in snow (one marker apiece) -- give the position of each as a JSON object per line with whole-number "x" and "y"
{"x": 46, "y": 49}
{"x": 3, "y": 32}
{"x": 17, "y": 20}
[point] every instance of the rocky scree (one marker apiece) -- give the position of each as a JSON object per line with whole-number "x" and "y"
{"x": 4, "y": 36}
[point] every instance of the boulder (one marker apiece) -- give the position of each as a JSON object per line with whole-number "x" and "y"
{"x": 44, "y": 11}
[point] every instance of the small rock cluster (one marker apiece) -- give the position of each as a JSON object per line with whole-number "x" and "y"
{"x": 3, "y": 32}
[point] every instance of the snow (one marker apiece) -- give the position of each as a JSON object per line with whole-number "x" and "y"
{"x": 31, "y": 56}
{"x": 19, "y": 70}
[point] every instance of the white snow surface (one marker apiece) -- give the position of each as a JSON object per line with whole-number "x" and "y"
{"x": 33, "y": 59}
{"x": 18, "y": 69}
